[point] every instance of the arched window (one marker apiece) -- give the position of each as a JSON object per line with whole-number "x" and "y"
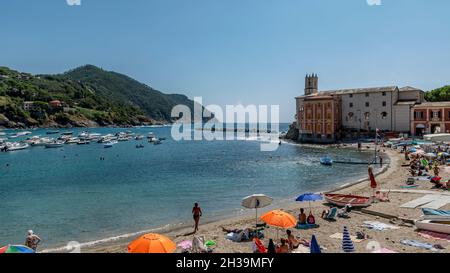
{"x": 384, "y": 115}
{"x": 367, "y": 115}
{"x": 351, "y": 115}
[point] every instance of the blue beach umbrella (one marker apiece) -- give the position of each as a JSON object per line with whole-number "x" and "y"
{"x": 347, "y": 244}
{"x": 314, "y": 248}
{"x": 309, "y": 197}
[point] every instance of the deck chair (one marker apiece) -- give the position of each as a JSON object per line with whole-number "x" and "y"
{"x": 331, "y": 214}
{"x": 260, "y": 248}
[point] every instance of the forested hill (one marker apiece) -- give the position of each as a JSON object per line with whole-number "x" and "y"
{"x": 85, "y": 96}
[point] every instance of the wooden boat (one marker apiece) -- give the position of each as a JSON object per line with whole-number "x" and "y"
{"x": 347, "y": 199}
{"x": 435, "y": 215}
{"x": 327, "y": 161}
{"x": 435, "y": 226}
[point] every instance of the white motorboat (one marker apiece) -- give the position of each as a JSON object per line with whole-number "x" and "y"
{"x": 435, "y": 226}
{"x": 16, "y": 146}
{"x": 110, "y": 144}
{"x": 54, "y": 145}
{"x": 73, "y": 140}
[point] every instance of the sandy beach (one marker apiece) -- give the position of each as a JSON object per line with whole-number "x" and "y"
{"x": 391, "y": 177}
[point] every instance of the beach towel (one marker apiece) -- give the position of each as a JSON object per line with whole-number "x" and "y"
{"x": 434, "y": 235}
{"x": 306, "y": 226}
{"x": 408, "y": 186}
{"x": 375, "y": 225}
{"x": 418, "y": 244}
{"x": 339, "y": 236}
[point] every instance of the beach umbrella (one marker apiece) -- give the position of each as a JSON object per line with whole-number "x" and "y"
{"x": 314, "y": 248}
{"x": 347, "y": 244}
{"x": 309, "y": 197}
{"x": 279, "y": 219}
{"x": 152, "y": 243}
{"x": 256, "y": 201}
{"x": 15, "y": 249}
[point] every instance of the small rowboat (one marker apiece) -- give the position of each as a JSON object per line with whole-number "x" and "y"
{"x": 435, "y": 226}
{"x": 341, "y": 200}
{"x": 435, "y": 215}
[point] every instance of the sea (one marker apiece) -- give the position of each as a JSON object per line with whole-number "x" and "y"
{"x": 86, "y": 193}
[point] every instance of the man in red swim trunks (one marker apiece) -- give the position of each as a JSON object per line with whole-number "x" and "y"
{"x": 197, "y": 213}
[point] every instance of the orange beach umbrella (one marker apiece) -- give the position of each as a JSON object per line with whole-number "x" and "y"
{"x": 152, "y": 243}
{"x": 279, "y": 218}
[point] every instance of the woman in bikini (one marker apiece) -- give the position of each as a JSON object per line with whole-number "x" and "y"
{"x": 196, "y": 213}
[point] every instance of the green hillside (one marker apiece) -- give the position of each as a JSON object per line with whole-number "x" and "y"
{"x": 89, "y": 96}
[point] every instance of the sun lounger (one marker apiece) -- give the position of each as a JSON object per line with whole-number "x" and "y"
{"x": 331, "y": 214}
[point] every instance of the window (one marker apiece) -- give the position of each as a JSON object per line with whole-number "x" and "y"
{"x": 367, "y": 104}
{"x": 384, "y": 115}
{"x": 384, "y": 94}
{"x": 367, "y": 115}
{"x": 351, "y": 104}
{"x": 384, "y": 104}
{"x": 367, "y": 94}
{"x": 351, "y": 95}
{"x": 418, "y": 115}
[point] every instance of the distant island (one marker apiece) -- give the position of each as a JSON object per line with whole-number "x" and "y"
{"x": 87, "y": 96}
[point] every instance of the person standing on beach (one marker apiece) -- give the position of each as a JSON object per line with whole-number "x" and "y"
{"x": 196, "y": 213}
{"x": 381, "y": 162}
{"x": 32, "y": 240}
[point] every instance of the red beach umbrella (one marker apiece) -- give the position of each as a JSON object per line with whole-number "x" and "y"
{"x": 373, "y": 183}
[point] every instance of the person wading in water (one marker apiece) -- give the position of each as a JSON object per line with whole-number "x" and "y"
{"x": 197, "y": 213}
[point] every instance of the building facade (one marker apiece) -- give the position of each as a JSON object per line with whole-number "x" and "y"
{"x": 318, "y": 116}
{"x": 430, "y": 118}
{"x": 360, "y": 109}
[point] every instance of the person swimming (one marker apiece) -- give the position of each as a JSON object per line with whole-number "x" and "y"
{"x": 196, "y": 213}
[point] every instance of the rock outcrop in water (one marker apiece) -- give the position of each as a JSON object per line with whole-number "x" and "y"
{"x": 292, "y": 133}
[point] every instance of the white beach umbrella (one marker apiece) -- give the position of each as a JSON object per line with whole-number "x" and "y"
{"x": 256, "y": 201}
{"x": 430, "y": 155}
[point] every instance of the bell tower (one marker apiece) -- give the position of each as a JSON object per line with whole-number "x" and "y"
{"x": 311, "y": 84}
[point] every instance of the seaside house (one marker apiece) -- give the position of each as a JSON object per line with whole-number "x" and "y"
{"x": 430, "y": 118}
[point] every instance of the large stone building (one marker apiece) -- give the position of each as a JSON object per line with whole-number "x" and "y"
{"x": 360, "y": 109}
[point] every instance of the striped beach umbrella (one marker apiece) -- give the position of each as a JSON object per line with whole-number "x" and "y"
{"x": 347, "y": 244}
{"x": 314, "y": 247}
{"x": 15, "y": 249}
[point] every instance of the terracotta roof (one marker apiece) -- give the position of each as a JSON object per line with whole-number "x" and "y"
{"x": 360, "y": 90}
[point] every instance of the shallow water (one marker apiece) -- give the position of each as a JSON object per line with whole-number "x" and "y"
{"x": 69, "y": 194}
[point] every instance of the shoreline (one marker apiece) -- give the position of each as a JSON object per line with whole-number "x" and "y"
{"x": 118, "y": 243}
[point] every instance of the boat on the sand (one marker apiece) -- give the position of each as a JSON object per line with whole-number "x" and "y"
{"x": 341, "y": 200}
{"x": 435, "y": 215}
{"x": 435, "y": 226}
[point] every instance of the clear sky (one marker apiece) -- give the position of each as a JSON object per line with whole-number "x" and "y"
{"x": 235, "y": 51}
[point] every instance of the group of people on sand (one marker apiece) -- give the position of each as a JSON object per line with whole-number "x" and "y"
{"x": 286, "y": 245}
{"x": 420, "y": 166}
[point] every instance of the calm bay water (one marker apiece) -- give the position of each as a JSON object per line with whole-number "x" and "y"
{"x": 68, "y": 193}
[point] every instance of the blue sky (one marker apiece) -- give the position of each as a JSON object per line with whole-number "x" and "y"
{"x": 235, "y": 51}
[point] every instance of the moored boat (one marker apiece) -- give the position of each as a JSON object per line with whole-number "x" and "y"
{"x": 342, "y": 200}
{"x": 54, "y": 145}
{"x": 10, "y": 147}
{"x": 435, "y": 226}
{"x": 109, "y": 144}
{"x": 326, "y": 160}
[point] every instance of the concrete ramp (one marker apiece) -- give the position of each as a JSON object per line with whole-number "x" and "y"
{"x": 420, "y": 201}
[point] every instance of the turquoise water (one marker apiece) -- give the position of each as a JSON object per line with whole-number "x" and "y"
{"x": 69, "y": 194}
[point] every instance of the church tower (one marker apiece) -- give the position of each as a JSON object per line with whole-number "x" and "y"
{"x": 311, "y": 84}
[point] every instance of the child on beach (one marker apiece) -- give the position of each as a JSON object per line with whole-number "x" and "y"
{"x": 283, "y": 248}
